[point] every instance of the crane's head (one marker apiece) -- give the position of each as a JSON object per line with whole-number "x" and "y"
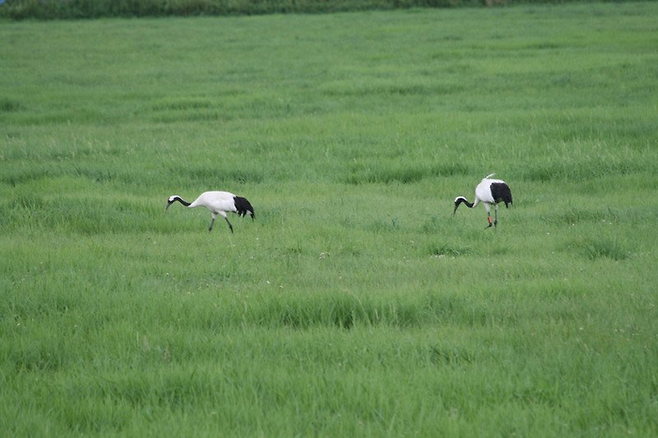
{"x": 171, "y": 200}
{"x": 458, "y": 200}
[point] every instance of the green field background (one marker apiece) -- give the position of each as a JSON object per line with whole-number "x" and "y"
{"x": 355, "y": 304}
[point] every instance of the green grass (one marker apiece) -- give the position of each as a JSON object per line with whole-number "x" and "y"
{"x": 355, "y": 304}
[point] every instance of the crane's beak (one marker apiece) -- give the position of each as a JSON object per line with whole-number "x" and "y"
{"x": 167, "y": 207}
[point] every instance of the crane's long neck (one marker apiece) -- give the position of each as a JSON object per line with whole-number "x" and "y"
{"x": 468, "y": 204}
{"x": 179, "y": 199}
{"x": 461, "y": 200}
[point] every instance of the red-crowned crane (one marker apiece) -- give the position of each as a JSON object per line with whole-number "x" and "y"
{"x": 489, "y": 191}
{"x": 219, "y": 203}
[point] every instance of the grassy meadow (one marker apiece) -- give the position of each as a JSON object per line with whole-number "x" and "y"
{"x": 355, "y": 304}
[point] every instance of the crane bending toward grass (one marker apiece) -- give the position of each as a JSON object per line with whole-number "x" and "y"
{"x": 489, "y": 191}
{"x": 219, "y": 203}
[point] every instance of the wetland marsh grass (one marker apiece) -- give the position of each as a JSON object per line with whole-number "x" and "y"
{"x": 355, "y": 304}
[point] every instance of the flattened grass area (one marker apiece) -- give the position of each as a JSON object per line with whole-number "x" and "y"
{"x": 354, "y": 304}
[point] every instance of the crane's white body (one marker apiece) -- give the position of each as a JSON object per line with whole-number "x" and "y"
{"x": 218, "y": 203}
{"x": 483, "y": 191}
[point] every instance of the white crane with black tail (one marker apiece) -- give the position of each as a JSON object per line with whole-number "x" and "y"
{"x": 219, "y": 203}
{"x": 489, "y": 191}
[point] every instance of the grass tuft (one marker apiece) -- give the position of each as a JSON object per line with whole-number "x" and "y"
{"x": 594, "y": 248}
{"x": 10, "y": 105}
{"x": 450, "y": 250}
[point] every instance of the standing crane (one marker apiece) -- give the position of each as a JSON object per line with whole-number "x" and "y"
{"x": 219, "y": 203}
{"x": 489, "y": 191}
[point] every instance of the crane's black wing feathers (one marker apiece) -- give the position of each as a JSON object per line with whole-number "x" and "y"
{"x": 243, "y": 206}
{"x": 501, "y": 193}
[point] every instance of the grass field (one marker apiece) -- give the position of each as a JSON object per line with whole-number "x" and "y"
{"x": 355, "y": 304}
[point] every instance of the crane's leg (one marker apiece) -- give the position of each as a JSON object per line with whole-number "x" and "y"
{"x": 223, "y": 214}
{"x": 229, "y": 224}
{"x": 212, "y": 222}
{"x": 495, "y": 215}
{"x": 486, "y": 206}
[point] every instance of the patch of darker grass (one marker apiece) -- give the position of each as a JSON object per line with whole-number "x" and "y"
{"x": 579, "y": 215}
{"x": 450, "y": 250}
{"x": 401, "y": 174}
{"x": 10, "y": 105}
{"x": 210, "y": 176}
{"x": 580, "y": 170}
{"x": 451, "y": 356}
{"x": 343, "y": 311}
{"x": 594, "y": 248}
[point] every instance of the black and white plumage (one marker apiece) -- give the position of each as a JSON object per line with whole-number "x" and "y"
{"x": 219, "y": 203}
{"x": 489, "y": 191}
